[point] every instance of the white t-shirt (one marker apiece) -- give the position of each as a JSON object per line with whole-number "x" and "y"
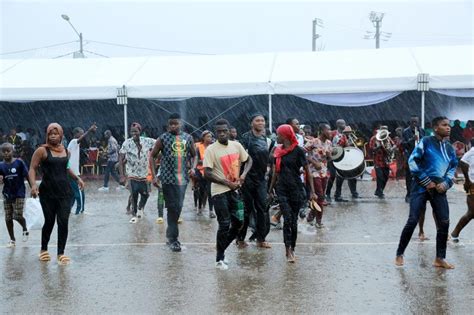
{"x": 468, "y": 158}
{"x": 300, "y": 139}
{"x": 74, "y": 149}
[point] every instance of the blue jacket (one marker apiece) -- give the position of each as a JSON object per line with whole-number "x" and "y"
{"x": 432, "y": 160}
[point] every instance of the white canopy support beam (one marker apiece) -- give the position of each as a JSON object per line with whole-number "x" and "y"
{"x": 122, "y": 99}
{"x": 423, "y": 86}
{"x": 270, "y": 115}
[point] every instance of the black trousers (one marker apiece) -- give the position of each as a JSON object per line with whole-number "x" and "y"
{"x": 55, "y": 209}
{"x": 174, "y": 196}
{"x": 381, "y": 174}
{"x": 290, "y": 204}
{"x": 225, "y": 206}
{"x": 255, "y": 195}
{"x": 352, "y": 183}
{"x": 139, "y": 188}
{"x": 408, "y": 179}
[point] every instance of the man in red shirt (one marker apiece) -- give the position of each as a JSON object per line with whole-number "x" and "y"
{"x": 382, "y": 152}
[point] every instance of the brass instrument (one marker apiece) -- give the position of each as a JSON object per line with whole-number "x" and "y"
{"x": 352, "y": 138}
{"x": 383, "y": 136}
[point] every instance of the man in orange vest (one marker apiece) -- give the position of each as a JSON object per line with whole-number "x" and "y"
{"x": 203, "y": 185}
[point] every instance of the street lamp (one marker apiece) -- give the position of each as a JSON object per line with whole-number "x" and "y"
{"x": 80, "y": 53}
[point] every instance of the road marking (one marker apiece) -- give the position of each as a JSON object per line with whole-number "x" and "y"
{"x": 467, "y": 243}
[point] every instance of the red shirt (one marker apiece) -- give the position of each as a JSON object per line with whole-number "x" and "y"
{"x": 379, "y": 153}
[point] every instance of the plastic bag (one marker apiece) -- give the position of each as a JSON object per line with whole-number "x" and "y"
{"x": 33, "y": 214}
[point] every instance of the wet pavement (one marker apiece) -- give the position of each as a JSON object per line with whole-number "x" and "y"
{"x": 347, "y": 267}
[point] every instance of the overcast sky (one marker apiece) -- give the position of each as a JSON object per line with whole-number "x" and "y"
{"x": 224, "y": 27}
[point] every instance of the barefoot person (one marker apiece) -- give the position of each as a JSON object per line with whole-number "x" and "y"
{"x": 55, "y": 191}
{"x": 222, "y": 167}
{"x": 467, "y": 167}
{"x": 432, "y": 164}
{"x": 13, "y": 173}
{"x": 288, "y": 159}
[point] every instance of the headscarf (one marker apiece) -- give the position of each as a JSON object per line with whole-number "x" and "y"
{"x": 288, "y": 133}
{"x": 59, "y": 148}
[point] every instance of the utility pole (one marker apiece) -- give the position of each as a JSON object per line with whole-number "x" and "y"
{"x": 316, "y": 22}
{"x": 80, "y": 53}
{"x": 376, "y": 19}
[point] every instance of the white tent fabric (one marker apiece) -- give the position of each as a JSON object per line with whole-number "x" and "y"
{"x": 345, "y": 72}
{"x": 303, "y": 73}
{"x": 351, "y": 99}
{"x": 194, "y": 76}
{"x": 450, "y": 67}
{"x": 66, "y": 79}
{"x": 456, "y": 92}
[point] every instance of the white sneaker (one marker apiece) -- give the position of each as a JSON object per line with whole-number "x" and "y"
{"x": 133, "y": 220}
{"x": 11, "y": 244}
{"x": 25, "y": 236}
{"x": 119, "y": 187}
{"x": 140, "y": 214}
{"x": 221, "y": 265}
{"x": 103, "y": 189}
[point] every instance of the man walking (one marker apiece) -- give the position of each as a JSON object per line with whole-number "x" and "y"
{"x": 112, "y": 159}
{"x": 176, "y": 148}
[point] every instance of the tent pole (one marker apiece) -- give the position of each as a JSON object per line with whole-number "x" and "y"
{"x": 125, "y": 120}
{"x": 270, "y": 116}
{"x": 422, "y": 109}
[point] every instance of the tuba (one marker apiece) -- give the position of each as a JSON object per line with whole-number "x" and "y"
{"x": 383, "y": 136}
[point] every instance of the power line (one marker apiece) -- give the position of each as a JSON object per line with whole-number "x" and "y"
{"x": 94, "y": 53}
{"x": 146, "y": 48}
{"x": 60, "y": 56}
{"x": 37, "y": 48}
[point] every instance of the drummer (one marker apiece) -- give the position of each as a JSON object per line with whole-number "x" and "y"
{"x": 340, "y": 139}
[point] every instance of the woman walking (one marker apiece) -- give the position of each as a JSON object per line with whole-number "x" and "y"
{"x": 54, "y": 191}
{"x": 289, "y": 158}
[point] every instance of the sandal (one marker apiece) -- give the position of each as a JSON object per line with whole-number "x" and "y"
{"x": 44, "y": 256}
{"x": 63, "y": 260}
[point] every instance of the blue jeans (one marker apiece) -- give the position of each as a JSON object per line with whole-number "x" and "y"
{"x": 79, "y": 196}
{"x": 439, "y": 203}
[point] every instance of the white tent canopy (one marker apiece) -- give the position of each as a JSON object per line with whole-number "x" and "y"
{"x": 299, "y": 73}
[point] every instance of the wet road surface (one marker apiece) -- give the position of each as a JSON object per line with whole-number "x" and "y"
{"x": 347, "y": 267}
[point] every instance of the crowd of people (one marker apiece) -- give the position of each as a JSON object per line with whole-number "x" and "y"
{"x": 239, "y": 178}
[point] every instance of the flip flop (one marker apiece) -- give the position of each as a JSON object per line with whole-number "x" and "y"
{"x": 44, "y": 256}
{"x": 63, "y": 260}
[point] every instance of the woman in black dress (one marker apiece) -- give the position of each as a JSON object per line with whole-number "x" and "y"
{"x": 289, "y": 158}
{"x": 54, "y": 191}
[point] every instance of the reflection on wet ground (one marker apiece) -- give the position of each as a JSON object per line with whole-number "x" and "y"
{"x": 347, "y": 267}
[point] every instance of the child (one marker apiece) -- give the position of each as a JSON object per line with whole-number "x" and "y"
{"x": 12, "y": 175}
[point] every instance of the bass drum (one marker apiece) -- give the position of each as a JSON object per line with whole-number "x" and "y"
{"x": 352, "y": 164}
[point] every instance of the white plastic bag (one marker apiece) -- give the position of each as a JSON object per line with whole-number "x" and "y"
{"x": 33, "y": 214}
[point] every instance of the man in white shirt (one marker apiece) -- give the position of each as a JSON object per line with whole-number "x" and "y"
{"x": 74, "y": 153}
{"x": 467, "y": 167}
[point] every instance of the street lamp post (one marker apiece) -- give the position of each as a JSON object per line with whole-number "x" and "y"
{"x": 80, "y": 53}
